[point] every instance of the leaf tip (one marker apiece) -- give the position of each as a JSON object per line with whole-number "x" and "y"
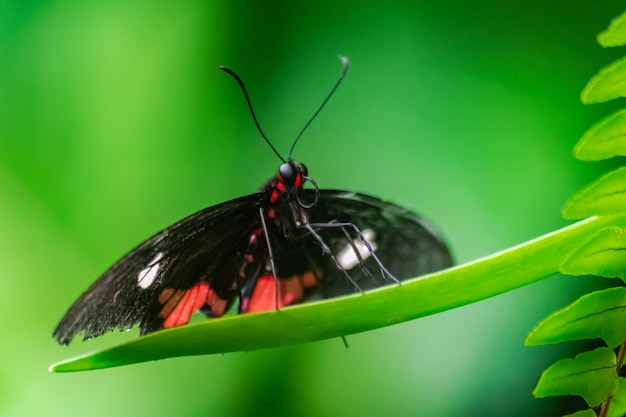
{"x": 615, "y": 34}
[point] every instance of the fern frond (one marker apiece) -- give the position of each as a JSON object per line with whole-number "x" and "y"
{"x": 601, "y": 315}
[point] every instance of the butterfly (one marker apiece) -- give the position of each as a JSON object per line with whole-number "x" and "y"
{"x": 288, "y": 243}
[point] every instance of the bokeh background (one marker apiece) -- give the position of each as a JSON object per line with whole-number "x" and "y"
{"x": 115, "y": 122}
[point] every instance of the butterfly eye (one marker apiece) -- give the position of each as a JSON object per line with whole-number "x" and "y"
{"x": 303, "y": 169}
{"x": 288, "y": 173}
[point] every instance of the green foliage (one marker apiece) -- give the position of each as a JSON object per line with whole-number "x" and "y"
{"x": 590, "y": 374}
{"x": 618, "y": 403}
{"x": 607, "y": 84}
{"x": 602, "y": 314}
{"x": 606, "y": 196}
{"x": 605, "y": 139}
{"x": 615, "y": 34}
{"x": 602, "y": 255}
{"x": 583, "y": 413}
{"x": 599, "y": 315}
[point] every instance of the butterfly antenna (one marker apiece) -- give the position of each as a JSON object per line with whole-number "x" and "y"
{"x": 345, "y": 63}
{"x": 245, "y": 93}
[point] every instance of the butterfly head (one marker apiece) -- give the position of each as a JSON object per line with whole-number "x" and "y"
{"x": 291, "y": 179}
{"x": 292, "y": 173}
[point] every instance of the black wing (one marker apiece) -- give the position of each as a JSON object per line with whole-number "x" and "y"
{"x": 405, "y": 244}
{"x": 204, "y": 251}
{"x": 198, "y": 248}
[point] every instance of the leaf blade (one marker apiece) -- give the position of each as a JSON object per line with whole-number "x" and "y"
{"x": 604, "y": 197}
{"x": 583, "y": 413}
{"x": 615, "y": 34}
{"x": 600, "y": 314}
{"x": 608, "y": 84}
{"x": 604, "y": 140}
{"x": 592, "y": 375}
{"x": 426, "y": 295}
{"x": 618, "y": 403}
{"x": 601, "y": 255}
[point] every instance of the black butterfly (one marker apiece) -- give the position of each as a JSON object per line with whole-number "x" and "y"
{"x": 280, "y": 246}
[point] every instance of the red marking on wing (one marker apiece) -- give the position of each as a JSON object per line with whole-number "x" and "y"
{"x": 169, "y": 298}
{"x": 291, "y": 291}
{"x": 179, "y": 305}
{"x": 194, "y": 298}
{"x": 294, "y": 290}
{"x": 309, "y": 279}
{"x": 264, "y": 296}
{"x": 216, "y": 303}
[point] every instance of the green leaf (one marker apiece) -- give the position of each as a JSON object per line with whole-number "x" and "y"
{"x": 608, "y": 84}
{"x": 583, "y": 413}
{"x": 592, "y": 375}
{"x": 604, "y": 254}
{"x": 618, "y": 403}
{"x": 498, "y": 273}
{"x": 605, "y": 196}
{"x": 604, "y": 140}
{"x": 615, "y": 34}
{"x": 617, "y": 406}
{"x": 601, "y": 314}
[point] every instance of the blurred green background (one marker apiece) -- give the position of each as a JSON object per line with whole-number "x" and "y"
{"x": 115, "y": 122}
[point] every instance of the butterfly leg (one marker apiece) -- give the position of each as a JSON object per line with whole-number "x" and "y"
{"x": 362, "y": 238}
{"x": 269, "y": 251}
{"x": 357, "y": 253}
{"x": 327, "y": 250}
{"x": 359, "y": 257}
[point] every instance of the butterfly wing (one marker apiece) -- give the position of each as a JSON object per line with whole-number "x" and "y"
{"x": 195, "y": 257}
{"x": 405, "y": 244}
{"x": 195, "y": 263}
